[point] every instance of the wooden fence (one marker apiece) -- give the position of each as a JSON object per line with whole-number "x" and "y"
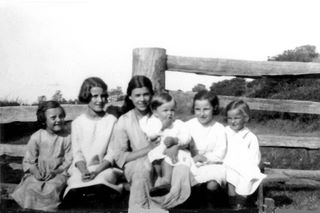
{"x": 154, "y": 62}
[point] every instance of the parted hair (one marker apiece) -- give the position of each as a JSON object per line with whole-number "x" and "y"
{"x": 43, "y": 107}
{"x": 238, "y": 104}
{"x": 160, "y": 98}
{"x": 137, "y": 81}
{"x": 207, "y": 95}
{"x": 85, "y": 90}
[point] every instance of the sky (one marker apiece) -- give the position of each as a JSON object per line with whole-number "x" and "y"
{"x": 49, "y": 45}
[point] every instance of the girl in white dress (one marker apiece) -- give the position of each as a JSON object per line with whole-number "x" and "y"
{"x": 209, "y": 147}
{"x": 163, "y": 126}
{"x": 243, "y": 155}
{"x": 91, "y": 134}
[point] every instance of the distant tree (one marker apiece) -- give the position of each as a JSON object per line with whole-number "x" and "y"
{"x": 306, "y": 53}
{"x": 282, "y": 87}
{"x": 198, "y": 88}
{"x": 117, "y": 91}
{"x": 41, "y": 98}
{"x": 233, "y": 87}
{"x": 57, "y": 96}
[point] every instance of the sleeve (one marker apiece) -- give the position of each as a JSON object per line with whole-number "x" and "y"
{"x": 67, "y": 154}
{"x": 120, "y": 143}
{"x": 218, "y": 153}
{"x": 110, "y": 152}
{"x": 76, "y": 143}
{"x": 183, "y": 136}
{"x": 31, "y": 157}
{"x": 254, "y": 149}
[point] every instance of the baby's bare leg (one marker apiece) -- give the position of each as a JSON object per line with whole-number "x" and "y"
{"x": 166, "y": 172}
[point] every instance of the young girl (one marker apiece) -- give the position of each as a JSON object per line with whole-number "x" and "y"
{"x": 46, "y": 160}
{"x": 163, "y": 126}
{"x": 209, "y": 147}
{"x": 91, "y": 171}
{"x": 243, "y": 155}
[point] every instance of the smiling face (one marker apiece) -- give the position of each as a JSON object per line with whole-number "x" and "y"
{"x": 54, "y": 119}
{"x": 236, "y": 119}
{"x": 98, "y": 99}
{"x": 141, "y": 98}
{"x": 165, "y": 112}
{"x": 203, "y": 110}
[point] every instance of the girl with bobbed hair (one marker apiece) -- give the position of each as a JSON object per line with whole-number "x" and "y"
{"x": 92, "y": 172}
{"x": 210, "y": 142}
{"x": 45, "y": 164}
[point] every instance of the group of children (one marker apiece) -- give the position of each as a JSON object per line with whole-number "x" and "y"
{"x": 215, "y": 154}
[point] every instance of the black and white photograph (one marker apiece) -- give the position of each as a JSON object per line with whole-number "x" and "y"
{"x": 148, "y": 106}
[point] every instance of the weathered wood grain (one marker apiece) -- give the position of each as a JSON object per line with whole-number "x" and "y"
{"x": 295, "y": 173}
{"x": 28, "y": 113}
{"x": 150, "y": 62}
{"x": 13, "y": 150}
{"x": 240, "y": 68}
{"x": 289, "y": 141}
{"x": 277, "y": 105}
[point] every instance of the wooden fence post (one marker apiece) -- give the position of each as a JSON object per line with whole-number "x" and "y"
{"x": 151, "y": 62}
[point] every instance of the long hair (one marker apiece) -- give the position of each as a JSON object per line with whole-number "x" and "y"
{"x": 137, "y": 81}
{"x": 85, "y": 90}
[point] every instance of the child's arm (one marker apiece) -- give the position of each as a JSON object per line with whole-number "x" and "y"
{"x": 170, "y": 141}
{"x": 220, "y": 149}
{"x": 67, "y": 157}
{"x": 78, "y": 157}
{"x": 30, "y": 160}
{"x": 254, "y": 150}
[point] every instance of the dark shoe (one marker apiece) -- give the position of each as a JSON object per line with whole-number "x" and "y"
{"x": 237, "y": 202}
{"x": 160, "y": 190}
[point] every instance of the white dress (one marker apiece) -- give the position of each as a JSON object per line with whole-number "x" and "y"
{"x": 210, "y": 141}
{"x": 242, "y": 161}
{"x": 152, "y": 126}
{"x": 91, "y": 143}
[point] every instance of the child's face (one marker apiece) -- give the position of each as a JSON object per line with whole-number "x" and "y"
{"x": 165, "y": 112}
{"x": 98, "y": 99}
{"x": 236, "y": 119}
{"x": 141, "y": 98}
{"x": 203, "y": 111}
{"x": 54, "y": 120}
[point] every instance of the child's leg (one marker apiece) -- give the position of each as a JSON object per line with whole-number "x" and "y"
{"x": 165, "y": 181}
{"x": 157, "y": 167}
{"x": 166, "y": 172}
{"x": 231, "y": 190}
{"x": 236, "y": 201}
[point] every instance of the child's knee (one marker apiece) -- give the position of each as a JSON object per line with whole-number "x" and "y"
{"x": 212, "y": 185}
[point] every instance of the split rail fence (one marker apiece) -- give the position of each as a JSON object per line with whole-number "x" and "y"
{"x": 154, "y": 62}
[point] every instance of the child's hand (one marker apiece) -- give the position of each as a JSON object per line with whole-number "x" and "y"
{"x": 36, "y": 173}
{"x": 170, "y": 141}
{"x": 50, "y": 176}
{"x": 85, "y": 176}
{"x": 154, "y": 143}
{"x": 93, "y": 175}
{"x": 166, "y": 123}
{"x": 155, "y": 137}
{"x": 199, "y": 158}
{"x": 172, "y": 153}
